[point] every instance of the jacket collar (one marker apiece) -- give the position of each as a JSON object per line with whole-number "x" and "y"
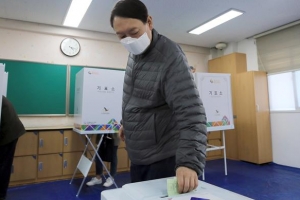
{"x": 155, "y": 37}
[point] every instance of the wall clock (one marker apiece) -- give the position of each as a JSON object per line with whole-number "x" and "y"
{"x": 70, "y": 47}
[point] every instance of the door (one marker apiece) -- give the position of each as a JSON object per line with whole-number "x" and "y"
{"x": 70, "y": 162}
{"x": 24, "y": 168}
{"x": 27, "y": 144}
{"x": 50, "y": 142}
{"x": 50, "y": 165}
{"x": 73, "y": 141}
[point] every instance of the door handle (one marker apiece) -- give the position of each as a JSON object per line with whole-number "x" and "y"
{"x": 40, "y": 166}
{"x": 41, "y": 142}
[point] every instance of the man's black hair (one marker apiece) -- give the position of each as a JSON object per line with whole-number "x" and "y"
{"x": 129, "y": 9}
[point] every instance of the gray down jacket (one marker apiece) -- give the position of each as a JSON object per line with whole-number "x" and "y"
{"x": 162, "y": 112}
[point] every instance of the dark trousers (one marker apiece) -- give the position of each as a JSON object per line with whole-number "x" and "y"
{"x": 7, "y": 152}
{"x": 113, "y": 163}
{"x": 161, "y": 169}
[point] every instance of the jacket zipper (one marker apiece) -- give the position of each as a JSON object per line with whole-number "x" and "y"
{"x": 134, "y": 73}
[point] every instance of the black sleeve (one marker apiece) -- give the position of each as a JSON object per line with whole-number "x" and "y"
{"x": 183, "y": 98}
{"x": 11, "y": 127}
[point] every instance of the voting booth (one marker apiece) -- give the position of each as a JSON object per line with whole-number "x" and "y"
{"x": 157, "y": 190}
{"x": 215, "y": 92}
{"x": 97, "y": 110}
{"x": 3, "y": 84}
{"x": 98, "y": 100}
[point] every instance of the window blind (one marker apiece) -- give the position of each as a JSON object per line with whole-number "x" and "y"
{"x": 279, "y": 51}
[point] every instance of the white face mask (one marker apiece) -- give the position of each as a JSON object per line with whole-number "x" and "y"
{"x": 136, "y": 46}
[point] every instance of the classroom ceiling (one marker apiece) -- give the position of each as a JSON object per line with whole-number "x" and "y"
{"x": 173, "y": 18}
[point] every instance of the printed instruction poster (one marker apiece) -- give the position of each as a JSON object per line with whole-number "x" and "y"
{"x": 215, "y": 92}
{"x": 98, "y": 99}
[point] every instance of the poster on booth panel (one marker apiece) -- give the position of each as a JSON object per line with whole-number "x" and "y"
{"x": 215, "y": 92}
{"x": 98, "y": 99}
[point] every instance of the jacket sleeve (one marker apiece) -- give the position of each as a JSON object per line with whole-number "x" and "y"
{"x": 183, "y": 98}
{"x": 11, "y": 126}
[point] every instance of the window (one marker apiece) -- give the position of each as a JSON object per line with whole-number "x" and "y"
{"x": 297, "y": 80}
{"x": 284, "y": 91}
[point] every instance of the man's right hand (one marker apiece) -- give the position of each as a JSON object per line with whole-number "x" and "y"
{"x": 121, "y": 134}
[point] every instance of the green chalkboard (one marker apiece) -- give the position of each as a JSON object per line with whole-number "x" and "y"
{"x": 36, "y": 88}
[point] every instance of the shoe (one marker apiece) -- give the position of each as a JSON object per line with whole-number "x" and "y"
{"x": 108, "y": 182}
{"x": 94, "y": 181}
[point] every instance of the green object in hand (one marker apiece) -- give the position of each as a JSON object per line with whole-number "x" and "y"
{"x": 172, "y": 186}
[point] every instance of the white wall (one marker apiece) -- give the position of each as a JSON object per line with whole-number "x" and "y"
{"x": 40, "y": 43}
{"x": 286, "y": 138}
{"x": 231, "y": 48}
{"x": 248, "y": 46}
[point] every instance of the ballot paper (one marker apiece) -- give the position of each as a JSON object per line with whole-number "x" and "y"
{"x": 172, "y": 187}
{"x": 193, "y": 195}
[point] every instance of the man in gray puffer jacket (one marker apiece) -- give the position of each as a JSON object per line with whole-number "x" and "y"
{"x": 164, "y": 122}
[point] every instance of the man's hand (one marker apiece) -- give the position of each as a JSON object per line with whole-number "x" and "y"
{"x": 121, "y": 134}
{"x": 187, "y": 179}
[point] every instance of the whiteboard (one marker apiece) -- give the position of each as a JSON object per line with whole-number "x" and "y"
{"x": 3, "y": 84}
{"x": 215, "y": 92}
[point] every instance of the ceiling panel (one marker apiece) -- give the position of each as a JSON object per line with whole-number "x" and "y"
{"x": 173, "y": 18}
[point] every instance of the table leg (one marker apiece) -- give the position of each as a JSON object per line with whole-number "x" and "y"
{"x": 96, "y": 154}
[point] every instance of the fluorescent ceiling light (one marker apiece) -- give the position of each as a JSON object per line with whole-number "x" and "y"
{"x": 216, "y": 22}
{"x": 76, "y": 12}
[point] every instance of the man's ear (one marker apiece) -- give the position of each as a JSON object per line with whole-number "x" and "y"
{"x": 150, "y": 22}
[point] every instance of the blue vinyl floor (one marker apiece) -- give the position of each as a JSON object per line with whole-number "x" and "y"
{"x": 260, "y": 182}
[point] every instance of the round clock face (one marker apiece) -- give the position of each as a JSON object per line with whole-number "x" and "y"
{"x": 70, "y": 47}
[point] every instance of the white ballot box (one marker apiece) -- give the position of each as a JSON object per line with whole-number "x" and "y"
{"x": 98, "y": 100}
{"x": 157, "y": 190}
